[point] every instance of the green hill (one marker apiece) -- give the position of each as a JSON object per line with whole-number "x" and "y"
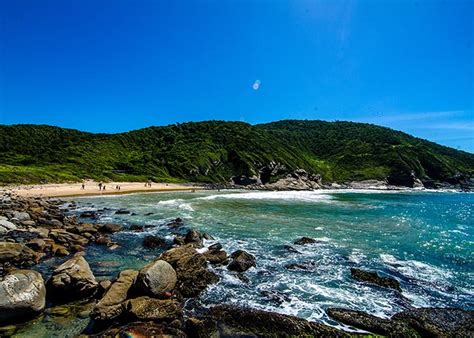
{"x": 214, "y": 151}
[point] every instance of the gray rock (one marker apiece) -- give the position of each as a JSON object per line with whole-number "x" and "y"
{"x": 157, "y": 278}
{"x": 21, "y": 216}
{"x": 22, "y": 294}
{"x": 7, "y": 225}
{"x": 72, "y": 280}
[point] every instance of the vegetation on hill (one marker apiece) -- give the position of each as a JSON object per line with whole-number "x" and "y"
{"x": 214, "y": 151}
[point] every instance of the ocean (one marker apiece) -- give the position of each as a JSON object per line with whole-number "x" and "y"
{"x": 423, "y": 239}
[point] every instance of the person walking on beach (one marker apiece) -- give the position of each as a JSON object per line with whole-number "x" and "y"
{"x": 100, "y": 185}
{"x": 83, "y": 186}
{"x": 103, "y": 187}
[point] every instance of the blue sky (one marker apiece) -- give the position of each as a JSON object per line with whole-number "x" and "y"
{"x": 118, "y": 65}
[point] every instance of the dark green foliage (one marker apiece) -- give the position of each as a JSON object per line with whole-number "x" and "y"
{"x": 214, "y": 151}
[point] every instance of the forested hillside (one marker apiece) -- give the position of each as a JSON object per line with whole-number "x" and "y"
{"x": 214, "y": 151}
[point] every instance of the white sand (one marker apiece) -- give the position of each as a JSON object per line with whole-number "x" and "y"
{"x": 92, "y": 188}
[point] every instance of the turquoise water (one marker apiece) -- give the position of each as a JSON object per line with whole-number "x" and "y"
{"x": 424, "y": 239}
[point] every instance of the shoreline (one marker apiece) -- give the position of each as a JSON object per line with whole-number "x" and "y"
{"x": 91, "y": 189}
{"x": 59, "y": 190}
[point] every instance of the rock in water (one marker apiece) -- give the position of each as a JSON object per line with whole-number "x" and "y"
{"x": 72, "y": 280}
{"x": 152, "y": 242}
{"x": 374, "y": 278}
{"x": 191, "y": 270}
{"x": 22, "y": 294}
{"x": 146, "y": 308}
{"x": 305, "y": 240}
{"x": 371, "y": 323}
{"x": 240, "y": 322}
{"x": 241, "y": 261}
{"x": 16, "y": 254}
{"x": 157, "y": 278}
{"x": 439, "y": 322}
{"x": 110, "y": 305}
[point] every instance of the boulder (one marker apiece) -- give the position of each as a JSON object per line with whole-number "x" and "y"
{"x": 191, "y": 270}
{"x": 439, "y": 322}
{"x": 72, "y": 280}
{"x": 371, "y": 323}
{"x": 255, "y": 323}
{"x": 17, "y": 254}
{"x": 195, "y": 238}
{"x": 21, "y": 216}
{"x": 216, "y": 256}
{"x": 110, "y": 228}
{"x": 22, "y": 294}
{"x": 146, "y": 308}
{"x": 110, "y": 305}
{"x": 305, "y": 240}
{"x": 241, "y": 261}
{"x": 136, "y": 227}
{"x": 157, "y": 278}
{"x": 153, "y": 242}
{"x": 6, "y": 226}
{"x": 122, "y": 212}
{"x": 373, "y": 278}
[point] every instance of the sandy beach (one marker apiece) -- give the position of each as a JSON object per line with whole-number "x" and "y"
{"x": 92, "y": 188}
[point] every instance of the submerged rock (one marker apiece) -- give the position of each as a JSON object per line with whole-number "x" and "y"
{"x": 72, "y": 280}
{"x": 157, "y": 278}
{"x": 142, "y": 329}
{"x": 22, "y": 294}
{"x": 153, "y": 242}
{"x": 373, "y": 278}
{"x": 241, "y": 261}
{"x": 146, "y": 308}
{"x": 195, "y": 238}
{"x": 305, "y": 240}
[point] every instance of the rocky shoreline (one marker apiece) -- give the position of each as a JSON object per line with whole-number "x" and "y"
{"x": 161, "y": 298}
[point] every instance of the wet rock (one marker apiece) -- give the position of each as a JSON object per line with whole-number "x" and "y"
{"x": 122, "y": 212}
{"x": 149, "y": 214}
{"x": 233, "y": 321}
{"x": 371, "y": 323}
{"x": 275, "y": 296}
{"x": 22, "y": 294}
{"x": 146, "y": 308}
{"x": 215, "y": 247}
{"x": 439, "y": 322}
{"x": 21, "y": 235}
{"x": 153, "y": 242}
{"x": 178, "y": 222}
{"x": 110, "y": 228}
{"x": 241, "y": 261}
{"x": 216, "y": 256}
{"x": 136, "y": 228}
{"x": 157, "y": 278}
{"x": 178, "y": 240}
{"x": 102, "y": 288}
{"x": 374, "y": 278}
{"x": 59, "y": 250}
{"x": 102, "y": 240}
{"x": 72, "y": 280}
{"x": 37, "y": 244}
{"x": 191, "y": 270}
{"x": 17, "y": 254}
{"x": 305, "y": 240}
{"x": 194, "y": 237}
{"x": 110, "y": 305}
{"x": 66, "y": 238}
{"x": 88, "y": 214}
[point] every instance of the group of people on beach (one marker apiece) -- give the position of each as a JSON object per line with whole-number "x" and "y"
{"x": 101, "y": 186}
{"x": 148, "y": 184}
